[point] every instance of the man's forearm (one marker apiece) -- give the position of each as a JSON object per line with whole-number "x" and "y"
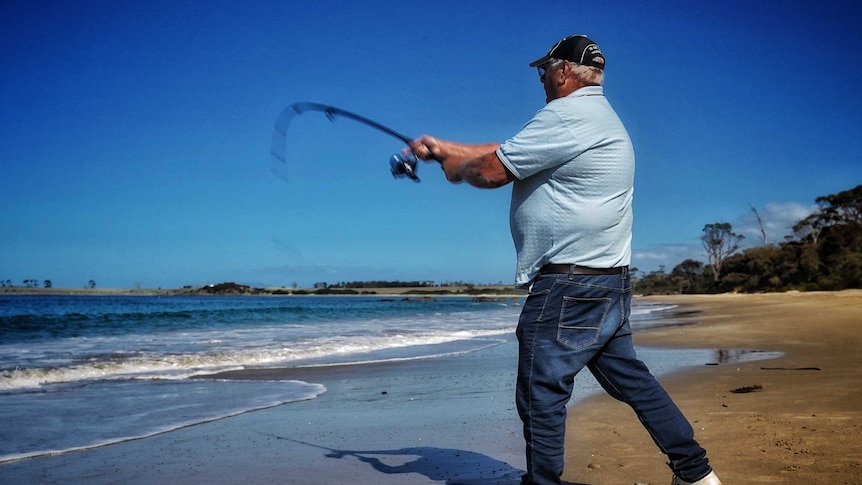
{"x": 477, "y": 165}
{"x": 485, "y": 172}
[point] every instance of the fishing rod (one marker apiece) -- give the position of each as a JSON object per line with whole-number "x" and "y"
{"x": 333, "y": 453}
{"x": 400, "y": 165}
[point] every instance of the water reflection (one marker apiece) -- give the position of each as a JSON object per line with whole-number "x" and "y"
{"x": 730, "y": 356}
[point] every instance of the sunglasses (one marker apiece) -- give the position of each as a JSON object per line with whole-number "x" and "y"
{"x": 544, "y": 68}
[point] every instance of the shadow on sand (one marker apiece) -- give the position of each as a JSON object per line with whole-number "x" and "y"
{"x": 445, "y": 465}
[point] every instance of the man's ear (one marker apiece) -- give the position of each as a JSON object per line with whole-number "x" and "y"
{"x": 563, "y": 72}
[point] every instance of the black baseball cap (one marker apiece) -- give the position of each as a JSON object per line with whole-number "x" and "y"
{"x": 575, "y": 48}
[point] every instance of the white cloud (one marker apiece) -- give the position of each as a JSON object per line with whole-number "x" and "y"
{"x": 654, "y": 257}
{"x": 778, "y": 220}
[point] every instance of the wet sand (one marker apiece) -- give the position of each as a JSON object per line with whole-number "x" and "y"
{"x": 439, "y": 420}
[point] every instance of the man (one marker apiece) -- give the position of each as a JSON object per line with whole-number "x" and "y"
{"x": 572, "y": 169}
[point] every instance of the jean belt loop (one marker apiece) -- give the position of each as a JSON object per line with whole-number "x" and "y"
{"x": 571, "y": 272}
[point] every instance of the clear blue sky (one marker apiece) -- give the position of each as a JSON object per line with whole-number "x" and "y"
{"x": 135, "y": 135}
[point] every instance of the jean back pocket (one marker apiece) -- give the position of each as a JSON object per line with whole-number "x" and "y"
{"x": 581, "y": 321}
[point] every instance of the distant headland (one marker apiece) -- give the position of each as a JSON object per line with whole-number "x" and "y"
{"x": 236, "y": 289}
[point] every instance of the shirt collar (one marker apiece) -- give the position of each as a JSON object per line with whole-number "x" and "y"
{"x": 588, "y": 91}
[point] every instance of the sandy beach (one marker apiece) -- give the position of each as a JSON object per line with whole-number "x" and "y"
{"x": 802, "y": 424}
{"x": 451, "y": 420}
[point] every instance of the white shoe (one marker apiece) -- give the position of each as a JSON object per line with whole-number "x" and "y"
{"x": 710, "y": 479}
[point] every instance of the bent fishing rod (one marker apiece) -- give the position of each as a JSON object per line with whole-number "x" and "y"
{"x": 400, "y": 165}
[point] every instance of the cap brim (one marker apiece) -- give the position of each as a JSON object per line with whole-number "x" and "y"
{"x": 539, "y": 62}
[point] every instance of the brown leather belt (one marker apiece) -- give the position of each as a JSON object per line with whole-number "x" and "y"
{"x": 579, "y": 270}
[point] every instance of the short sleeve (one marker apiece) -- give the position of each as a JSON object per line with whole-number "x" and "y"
{"x": 544, "y": 142}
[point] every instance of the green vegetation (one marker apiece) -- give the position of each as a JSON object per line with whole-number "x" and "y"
{"x": 824, "y": 253}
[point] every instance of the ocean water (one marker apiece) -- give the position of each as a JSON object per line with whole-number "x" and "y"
{"x": 84, "y": 371}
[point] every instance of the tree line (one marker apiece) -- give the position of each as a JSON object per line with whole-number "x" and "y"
{"x": 34, "y": 283}
{"x": 30, "y": 283}
{"x": 823, "y": 253}
{"x": 389, "y": 284}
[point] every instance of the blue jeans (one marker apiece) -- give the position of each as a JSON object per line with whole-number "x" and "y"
{"x": 569, "y": 322}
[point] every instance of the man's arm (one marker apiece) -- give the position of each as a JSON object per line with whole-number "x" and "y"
{"x": 478, "y": 164}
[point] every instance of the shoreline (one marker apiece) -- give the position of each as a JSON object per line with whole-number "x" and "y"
{"x": 795, "y": 419}
{"x": 488, "y": 291}
{"x": 442, "y": 420}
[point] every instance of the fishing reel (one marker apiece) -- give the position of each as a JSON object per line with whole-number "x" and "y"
{"x": 404, "y": 166}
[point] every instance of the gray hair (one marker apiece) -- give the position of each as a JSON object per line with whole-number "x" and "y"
{"x": 591, "y": 76}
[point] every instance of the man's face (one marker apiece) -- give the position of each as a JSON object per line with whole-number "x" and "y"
{"x": 547, "y": 77}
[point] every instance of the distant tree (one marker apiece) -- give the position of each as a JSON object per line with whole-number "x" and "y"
{"x": 840, "y": 253}
{"x": 719, "y": 241}
{"x": 762, "y": 268}
{"x": 808, "y": 229}
{"x": 656, "y": 283}
{"x": 687, "y": 276}
{"x": 91, "y": 284}
{"x": 47, "y": 284}
{"x": 759, "y": 224}
{"x": 842, "y": 208}
{"x": 825, "y": 254}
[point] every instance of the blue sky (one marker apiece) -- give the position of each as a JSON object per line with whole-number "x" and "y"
{"x": 135, "y": 137}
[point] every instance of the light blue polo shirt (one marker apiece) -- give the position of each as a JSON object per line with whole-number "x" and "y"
{"x": 572, "y": 200}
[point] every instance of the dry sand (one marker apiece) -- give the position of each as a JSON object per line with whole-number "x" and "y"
{"x": 801, "y": 425}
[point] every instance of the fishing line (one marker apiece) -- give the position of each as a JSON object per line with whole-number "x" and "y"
{"x": 399, "y": 165}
